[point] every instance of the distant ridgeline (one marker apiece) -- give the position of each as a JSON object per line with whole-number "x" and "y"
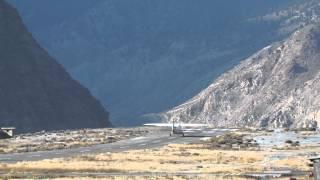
{"x": 35, "y": 91}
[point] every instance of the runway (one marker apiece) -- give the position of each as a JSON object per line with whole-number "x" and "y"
{"x": 153, "y": 140}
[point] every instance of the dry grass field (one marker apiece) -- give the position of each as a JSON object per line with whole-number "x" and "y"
{"x": 189, "y": 159}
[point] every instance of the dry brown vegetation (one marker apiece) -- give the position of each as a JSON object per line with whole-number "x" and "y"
{"x": 170, "y": 159}
{"x": 232, "y": 141}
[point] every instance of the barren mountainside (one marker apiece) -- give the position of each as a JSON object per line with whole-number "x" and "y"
{"x": 141, "y": 56}
{"x": 36, "y": 93}
{"x": 277, "y": 87}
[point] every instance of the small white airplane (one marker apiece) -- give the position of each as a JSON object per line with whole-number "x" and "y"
{"x": 178, "y": 128}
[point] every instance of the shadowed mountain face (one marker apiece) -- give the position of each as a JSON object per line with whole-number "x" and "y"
{"x": 277, "y": 87}
{"x": 35, "y": 91}
{"x": 141, "y": 56}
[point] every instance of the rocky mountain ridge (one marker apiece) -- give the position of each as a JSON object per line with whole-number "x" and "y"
{"x": 294, "y": 17}
{"x": 139, "y": 57}
{"x": 277, "y": 87}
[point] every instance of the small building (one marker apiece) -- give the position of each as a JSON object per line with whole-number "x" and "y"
{"x": 6, "y": 132}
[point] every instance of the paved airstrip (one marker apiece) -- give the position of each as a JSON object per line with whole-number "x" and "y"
{"x": 153, "y": 140}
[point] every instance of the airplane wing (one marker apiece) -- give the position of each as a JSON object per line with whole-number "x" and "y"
{"x": 176, "y": 124}
{"x": 194, "y": 125}
{"x": 158, "y": 124}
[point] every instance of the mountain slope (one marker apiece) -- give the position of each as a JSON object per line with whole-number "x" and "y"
{"x": 140, "y": 57}
{"x": 277, "y": 87}
{"x": 35, "y": 91}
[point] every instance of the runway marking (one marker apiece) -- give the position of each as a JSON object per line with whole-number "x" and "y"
{"x": 158, "y": 141}
{"x": 142, "y": 144}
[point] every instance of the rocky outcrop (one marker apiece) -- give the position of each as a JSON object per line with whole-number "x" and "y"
{"x": 277, "y": 87}
{"x": 36, "y": 93}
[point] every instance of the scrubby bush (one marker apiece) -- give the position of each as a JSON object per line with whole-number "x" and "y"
{"x": 231, "y": 140}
